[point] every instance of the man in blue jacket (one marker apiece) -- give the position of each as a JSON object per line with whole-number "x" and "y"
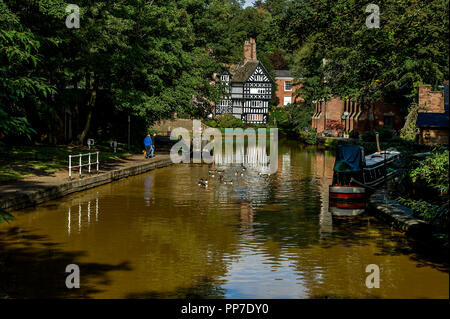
{"x": 148, "y": 145}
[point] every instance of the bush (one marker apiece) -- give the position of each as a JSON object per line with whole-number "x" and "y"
{"x": 409, "y": 130}
{"x": 368, "y": 136}
{"x": 278, "y": 117}
{"x": 385, "y": 133}
{"x": 211, "y": 123}
{"x": 298, "y": 117}
{"x": 433, "y": 172}
{"x": 309, "y": 137}
{"x": 353, "y": 134}
{"x": 228, "y": 121}
{"x": 331, "y": 143}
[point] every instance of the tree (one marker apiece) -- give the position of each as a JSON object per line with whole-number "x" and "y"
{"x": 19, "y": 59}
{"x": 410, "y": 46}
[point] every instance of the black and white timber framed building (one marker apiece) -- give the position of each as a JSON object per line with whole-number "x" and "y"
{"x": 249, "y": 89}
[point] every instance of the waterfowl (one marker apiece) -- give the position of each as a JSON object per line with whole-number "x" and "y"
{"x": 225, "y": 181}
{"x": 202, "y": 182}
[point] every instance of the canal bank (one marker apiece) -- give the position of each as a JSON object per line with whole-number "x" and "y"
{"x": 400, "y": 217}
{"x": 33, "y": 191}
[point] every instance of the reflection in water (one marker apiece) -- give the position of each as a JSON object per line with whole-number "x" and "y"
{"x": 88, "y": 213}
{"x": 160, "y": 235}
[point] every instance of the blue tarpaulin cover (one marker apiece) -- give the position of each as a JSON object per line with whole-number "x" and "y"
{"x": 348, "y": 158}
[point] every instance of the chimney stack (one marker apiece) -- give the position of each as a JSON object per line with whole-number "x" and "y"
{"x": 250, "y": 50}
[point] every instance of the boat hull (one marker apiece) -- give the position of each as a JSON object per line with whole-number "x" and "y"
{"x": 347, "y": 192}
{"x": 347, "y": 201}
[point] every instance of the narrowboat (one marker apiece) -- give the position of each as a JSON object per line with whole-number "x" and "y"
{"x": 354, "y": 173}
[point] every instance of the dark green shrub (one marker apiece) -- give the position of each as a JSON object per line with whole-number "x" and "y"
{"x": 309, "y": 137}
{"x": 353, "y": 134}
{"x": 228, "y": 121}
{"x": 368, "y": 136}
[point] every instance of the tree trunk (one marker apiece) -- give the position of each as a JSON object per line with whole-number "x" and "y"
{"x": 92, "y": 96}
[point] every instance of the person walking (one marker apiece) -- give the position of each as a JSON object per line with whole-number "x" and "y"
{"x": 148, "y": 145}
{"x": 153, "y": 144}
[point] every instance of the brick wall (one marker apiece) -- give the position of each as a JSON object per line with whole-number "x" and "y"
{"x": 361, "y": 117}
{"x": 280, "y": 93}
{"x": 435, "y": 136}
{"x": 434, "y": 101}
{"x": 326, "y": 111}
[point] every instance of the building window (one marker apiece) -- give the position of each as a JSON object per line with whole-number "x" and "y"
{"x": 389, "y": 121}
{"x": 287, "y": 86}
{"x": 287, "y": 100}
{"x": 225, "y": 78}
{"x": 259, "y": 90}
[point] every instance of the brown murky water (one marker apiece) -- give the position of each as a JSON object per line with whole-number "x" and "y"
{"x": 160, "y": 235}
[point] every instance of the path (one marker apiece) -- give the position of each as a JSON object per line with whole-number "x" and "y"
{"x": 34, "y": 189}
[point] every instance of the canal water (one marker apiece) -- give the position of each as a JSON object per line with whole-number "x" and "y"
{"x": 161, "y": 235}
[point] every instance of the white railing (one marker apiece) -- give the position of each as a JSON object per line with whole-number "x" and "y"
{"x": 80, "y": 165}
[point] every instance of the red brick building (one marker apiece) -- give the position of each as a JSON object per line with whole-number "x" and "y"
{"x": 433, "y": 121}
{"x": 285, "y": 88}
{"x": 358, "y": 116}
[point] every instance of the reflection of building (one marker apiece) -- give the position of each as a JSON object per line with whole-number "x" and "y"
{"x": 246, "y": 215}
{"x": 249, "y": 86}
{"x": 322, "y": 165}
{"x": 433, "y": 121}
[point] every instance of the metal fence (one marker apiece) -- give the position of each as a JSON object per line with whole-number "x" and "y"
{"x": 81, "y": 165}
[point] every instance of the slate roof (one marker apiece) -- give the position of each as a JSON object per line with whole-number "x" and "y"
{"x": 243, "y": 73}
{"x": 283, "y": 73}
{"x": 438, "y": 120}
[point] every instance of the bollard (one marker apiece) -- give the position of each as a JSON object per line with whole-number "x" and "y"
{"x": 89, "y": 164}
{"x": 97, "y": 162}
{"x": 80, "y": 165}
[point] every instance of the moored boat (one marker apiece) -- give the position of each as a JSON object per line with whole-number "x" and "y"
{"x": 354, "y": 173}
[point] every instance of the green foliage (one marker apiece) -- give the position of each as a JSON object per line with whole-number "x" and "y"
{"x": 298, "y": 116}
{"x": 212, "y": 123}
{"x": 331, "y": 143}
{"x": 425, "y": 191}
{"x": 18, "y": 78}
{"x": 409, "y": 130}
{"x": 410, "y": 46}
{"x": 309, "y": 137}
{"x": 427, "y": 211}
{"x": 433, "y": 171}
{"x": 368, "y": 136}
{"x": 279, "y": 117}
{"x": 228, "y": 121}
{"x": 353, "y": 134}
{"x": 385, "y": 134}
{"x": 14, "y": 125}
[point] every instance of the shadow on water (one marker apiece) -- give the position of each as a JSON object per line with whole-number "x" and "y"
{"x": 206, "y": 288}
{"x": 354, "y": 231}
{"x": 33, "y": 267}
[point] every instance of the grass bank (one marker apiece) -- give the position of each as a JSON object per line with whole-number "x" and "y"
{"x": 17, "y": 162}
